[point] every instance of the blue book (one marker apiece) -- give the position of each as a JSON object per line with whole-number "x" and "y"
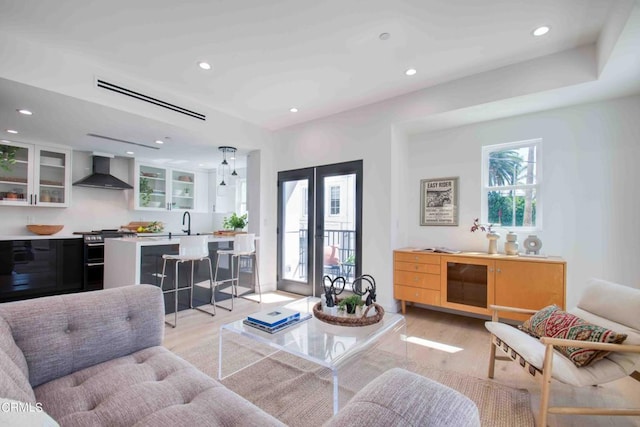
{"x": 274, "y": 316}
{"x": 278, "y": 327}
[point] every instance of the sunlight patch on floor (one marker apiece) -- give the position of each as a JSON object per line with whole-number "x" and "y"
{"x": 432, "y": 344}
{"x": 269, "y": 297}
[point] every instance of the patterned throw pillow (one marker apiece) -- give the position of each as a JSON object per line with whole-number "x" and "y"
{"x": 555, "y": 323}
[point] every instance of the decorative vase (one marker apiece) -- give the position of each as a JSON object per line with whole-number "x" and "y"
{"x": 532, "y": 244}
{"x": 511, "y": 245}
{"x": 493, "y": 242}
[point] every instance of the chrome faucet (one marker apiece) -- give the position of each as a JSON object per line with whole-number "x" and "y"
{"x": 188, "y": 216}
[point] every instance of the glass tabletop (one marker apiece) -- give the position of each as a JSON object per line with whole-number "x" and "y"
{"x": 317, "y": 341}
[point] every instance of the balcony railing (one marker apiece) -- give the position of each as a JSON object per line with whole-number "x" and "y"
{"x": 345, "y": 243}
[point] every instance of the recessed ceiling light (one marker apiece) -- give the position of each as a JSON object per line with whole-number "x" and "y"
{"x": 411, "y": 72}
{"x": 200, "y": 164}
{"x": 293, "y": 110}
{"x": 129, "y": 152}
{"x": 384, "y": 36}
{"x": 204, "y": 65}
{"x": 158, "y": 141}
{"x": 541, "y": 31}
{"x": 12, "y": 131}
{"x": 25, "y": 112}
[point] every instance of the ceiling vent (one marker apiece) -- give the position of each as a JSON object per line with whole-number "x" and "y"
{"x": 149, "y": 99}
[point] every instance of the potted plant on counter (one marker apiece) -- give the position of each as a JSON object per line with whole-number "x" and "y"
{"x": 235, "y": 222}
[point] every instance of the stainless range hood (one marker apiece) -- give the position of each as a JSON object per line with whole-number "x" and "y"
{"x": 101, "y": 178}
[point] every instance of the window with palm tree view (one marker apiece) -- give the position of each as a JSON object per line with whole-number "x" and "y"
{"x": 511, "y": 184}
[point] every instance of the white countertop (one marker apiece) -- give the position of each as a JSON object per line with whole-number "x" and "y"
{"x": 156, "y": 241}
{"x": 38, "y": 237}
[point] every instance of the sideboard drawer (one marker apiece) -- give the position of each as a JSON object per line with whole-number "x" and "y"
{"x": 420, "y": 257}
{"x": 418, "y": 267}
{"x": 419, "y": 295}
{"x": 419, "y": 280}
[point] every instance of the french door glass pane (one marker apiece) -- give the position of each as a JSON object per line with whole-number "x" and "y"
{"x": 295, "y": 231}
{"x": 340, "y": 226}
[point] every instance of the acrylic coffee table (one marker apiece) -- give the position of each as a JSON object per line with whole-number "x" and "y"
{"x": 309, "y": 340}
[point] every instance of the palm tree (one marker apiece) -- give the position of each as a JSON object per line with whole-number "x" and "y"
{"x": 504, "y": 167}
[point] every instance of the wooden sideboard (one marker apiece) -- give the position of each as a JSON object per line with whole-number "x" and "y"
{"x": 470, "y": 282}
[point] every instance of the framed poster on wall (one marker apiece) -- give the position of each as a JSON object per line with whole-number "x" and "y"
{"x": 439, "y": 201}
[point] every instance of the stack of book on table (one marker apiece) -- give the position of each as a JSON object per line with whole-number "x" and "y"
{"x": 275, "y": 319}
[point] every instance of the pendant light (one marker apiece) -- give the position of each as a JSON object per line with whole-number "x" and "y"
{"x": 234, "y": 173}
{"x": 232, "y": 150}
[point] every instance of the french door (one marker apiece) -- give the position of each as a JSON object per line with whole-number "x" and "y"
{"x": 319, "y": 226}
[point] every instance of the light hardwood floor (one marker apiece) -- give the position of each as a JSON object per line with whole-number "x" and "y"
{"x": 463, "y": 332}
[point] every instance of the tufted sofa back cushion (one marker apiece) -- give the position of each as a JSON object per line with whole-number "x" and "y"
{"x": 70, "y": 332}
{"x": 14, "y": 376}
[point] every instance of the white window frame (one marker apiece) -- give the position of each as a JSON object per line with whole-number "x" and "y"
{"x": 486, "y": 151}
{"x": 331, "y": 199}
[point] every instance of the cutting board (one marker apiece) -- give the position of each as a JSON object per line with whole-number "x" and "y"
{"x": 133, "y": 225}
{"x": 228, "y": 233}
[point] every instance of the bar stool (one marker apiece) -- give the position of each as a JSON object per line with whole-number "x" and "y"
{"x": 244, "y": 245}
{"x": 192, "y": 248}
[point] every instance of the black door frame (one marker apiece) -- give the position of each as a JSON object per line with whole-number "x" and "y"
{"x": 315, "y": 218}
{"x": 290, "y": 285}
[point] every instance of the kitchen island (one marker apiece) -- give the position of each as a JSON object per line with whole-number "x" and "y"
{"x": 132, "y": 261}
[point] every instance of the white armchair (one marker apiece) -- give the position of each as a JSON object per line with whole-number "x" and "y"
{"x": 605, "y": 304}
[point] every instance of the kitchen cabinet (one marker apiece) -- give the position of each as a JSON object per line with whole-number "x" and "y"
{"x": 39, "y": 267}
{"x": 158, "y": 189}
{"x": 471, "y": 282}
{"x": 39, "y": 176}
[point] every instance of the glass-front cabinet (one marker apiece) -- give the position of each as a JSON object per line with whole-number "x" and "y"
{"x": 183, "y": 189}
{"x": 160, "y": 188}
{"x": 467, "y": 284}
{"x": 32, "y": 175}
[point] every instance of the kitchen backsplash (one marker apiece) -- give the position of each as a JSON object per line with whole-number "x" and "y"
{"x": 95, "y": 209}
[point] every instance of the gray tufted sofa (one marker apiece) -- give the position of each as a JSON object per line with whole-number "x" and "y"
{"x": 96, "y": 359}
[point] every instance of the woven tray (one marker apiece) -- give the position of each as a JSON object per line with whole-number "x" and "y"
{"x": 350, "y": 321}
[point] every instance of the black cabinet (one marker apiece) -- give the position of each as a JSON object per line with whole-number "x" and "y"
{"x": 39, "y": 267}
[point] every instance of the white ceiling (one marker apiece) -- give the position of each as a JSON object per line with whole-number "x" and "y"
{"x": 322, "y": 57}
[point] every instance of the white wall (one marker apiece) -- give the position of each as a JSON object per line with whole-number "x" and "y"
{"x": 590, "y": 194}
{"x": 590, "y": 155}
{"x": 353, "y": 135}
